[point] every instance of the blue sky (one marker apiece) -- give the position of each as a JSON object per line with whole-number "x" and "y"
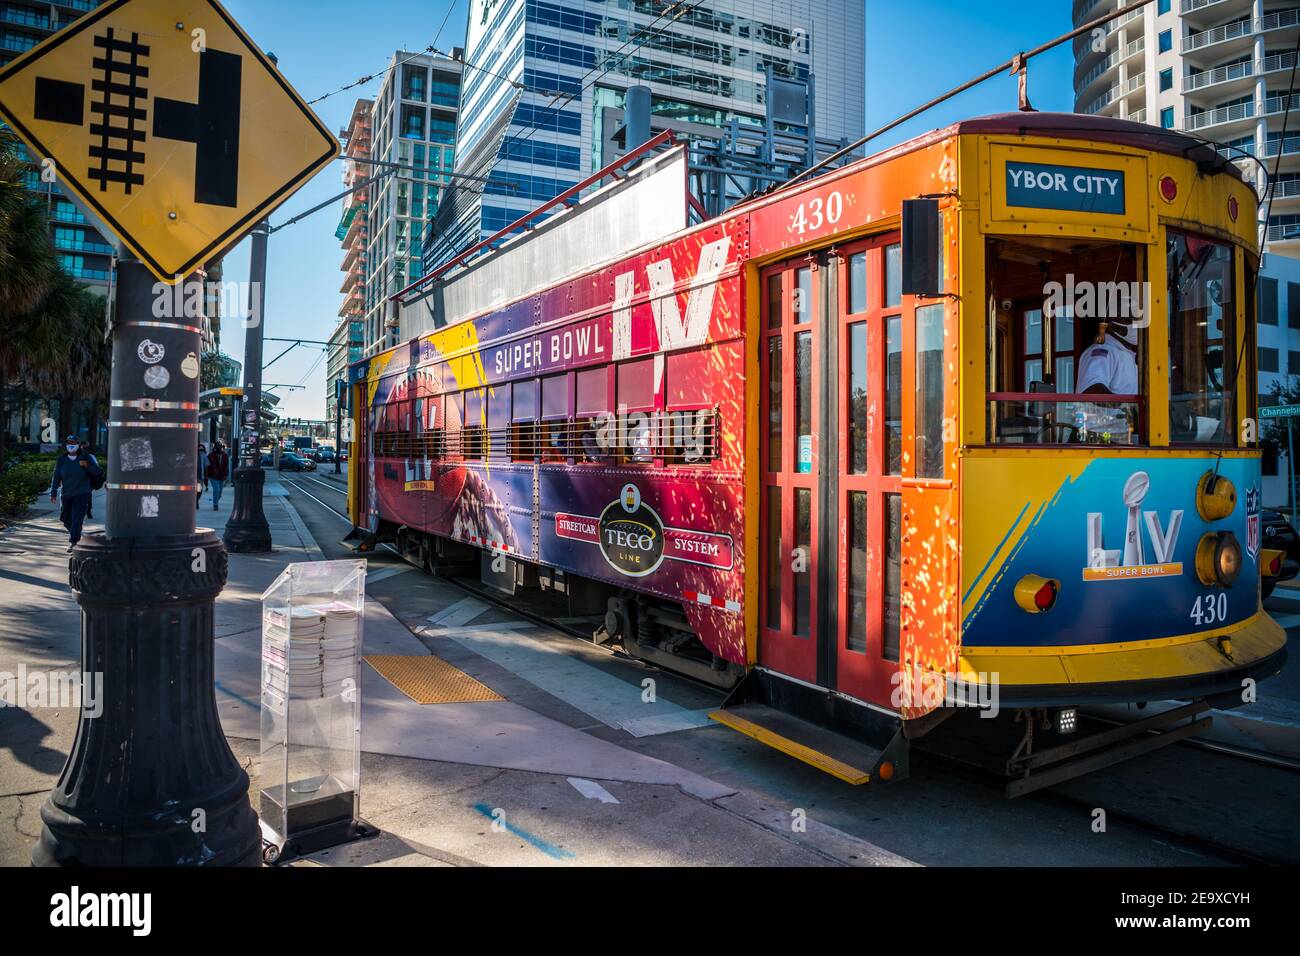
{"x": 916, "y": 49}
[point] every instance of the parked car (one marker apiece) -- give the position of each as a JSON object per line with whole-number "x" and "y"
{"x": 1278, "y": 534}
{"x": 292, "y": 462}
{"x": 343, "y": 455}
{"x": 324, "y": 456}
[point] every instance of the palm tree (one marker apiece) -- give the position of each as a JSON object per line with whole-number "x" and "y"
{"x": 27, "y": 267}
{"x": 64, "y": 353}
{"x": 27, "y": 259}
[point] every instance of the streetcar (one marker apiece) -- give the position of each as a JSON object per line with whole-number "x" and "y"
{"x": 967, "y": 424}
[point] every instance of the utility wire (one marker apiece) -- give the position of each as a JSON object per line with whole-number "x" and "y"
{"x": 432, "y": 48}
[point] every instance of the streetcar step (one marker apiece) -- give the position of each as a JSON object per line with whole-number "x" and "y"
{"x": 829, "y": 731}
{"x": 816, "y": 746}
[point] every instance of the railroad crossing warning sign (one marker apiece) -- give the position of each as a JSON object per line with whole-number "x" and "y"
{"x": 164, "y": 118}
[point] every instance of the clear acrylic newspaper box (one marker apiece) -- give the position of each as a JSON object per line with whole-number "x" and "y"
{"x": 310, "y": 769}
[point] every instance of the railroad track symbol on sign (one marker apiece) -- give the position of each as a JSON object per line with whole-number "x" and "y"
{"x": 179, "y": 148}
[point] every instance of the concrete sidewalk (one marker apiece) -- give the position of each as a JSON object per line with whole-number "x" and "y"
{"x": 448, "y": 784}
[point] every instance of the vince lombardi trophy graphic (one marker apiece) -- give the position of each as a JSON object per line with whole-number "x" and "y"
{"x": 1135, "y": 489}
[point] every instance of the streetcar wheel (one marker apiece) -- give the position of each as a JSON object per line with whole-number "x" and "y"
{"x": 270, "y": 853}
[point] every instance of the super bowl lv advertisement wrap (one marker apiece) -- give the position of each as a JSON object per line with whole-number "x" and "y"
{"x": 1120, "y": 534}
{"x": 633, "y": 380}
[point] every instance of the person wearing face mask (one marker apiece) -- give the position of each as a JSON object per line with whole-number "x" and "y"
{"x": 74, "y": 473}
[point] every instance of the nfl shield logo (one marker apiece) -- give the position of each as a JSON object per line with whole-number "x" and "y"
{"x": 1252, "y": 522}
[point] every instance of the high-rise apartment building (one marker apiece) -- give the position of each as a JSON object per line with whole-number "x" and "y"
{"x": 412, "y": 124}
{"x": 1220, "y": 70}
{"x": 540, "y": 74}
{"x": 83, "y": 252}
{"x": 1217, "y": 69}
{"x": 347, "y": 342}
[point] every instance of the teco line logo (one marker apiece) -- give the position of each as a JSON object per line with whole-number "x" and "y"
{"x": 631, "y": 534}
{"x": 1104, "y": 565}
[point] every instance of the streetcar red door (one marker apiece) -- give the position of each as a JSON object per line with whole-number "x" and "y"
{"x": 874, "y": 332}
{"x": 790, "y": 448}
{"x": 834, "y": 455}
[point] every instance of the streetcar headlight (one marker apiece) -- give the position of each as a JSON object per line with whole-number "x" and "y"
{"x": 1037, "y": 594}
{"x": 1067, "y": 720}
{"x": 1216, "y": 497}
{"x": 1218, "y": 559}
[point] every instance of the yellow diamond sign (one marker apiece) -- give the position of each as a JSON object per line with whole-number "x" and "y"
{"x": 166, "y": 120}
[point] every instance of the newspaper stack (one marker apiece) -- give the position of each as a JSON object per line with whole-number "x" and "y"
{"x": 308, "y": 653}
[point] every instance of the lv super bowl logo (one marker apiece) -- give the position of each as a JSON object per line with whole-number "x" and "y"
{"x": 1131, "y": 561}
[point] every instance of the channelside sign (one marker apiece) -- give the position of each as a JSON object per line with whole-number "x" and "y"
{"x": 1071, "y": 188}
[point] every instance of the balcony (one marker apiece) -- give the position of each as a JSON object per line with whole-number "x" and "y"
{"x": 1288, "y": 147}
{"x": 1137, "y": 116}
{"x": 1276, "y": 104}
{"x": 1216, "y": 35}
{"x": 1220, "y": 74}
{"x": 1219, "y": 116}
{"x": 1195, "y": 6}
{"x": 25, "y": 18}
{"x": 1286, "y": 189}
{"x": 1278, "y": 20}
{"x": 1277, "y": 62}
{"x": 1283, "y": 233}
{"x": 82, "y": 245}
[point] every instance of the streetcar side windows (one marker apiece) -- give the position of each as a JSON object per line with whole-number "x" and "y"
{"x": 1067, "y": 342}
{"x": 472, "y": 442}
{"x": 1202, "y": 340}
{"x": 604, "y": 415}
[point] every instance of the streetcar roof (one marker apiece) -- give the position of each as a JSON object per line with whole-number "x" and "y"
{"x": 1076, "y": 126}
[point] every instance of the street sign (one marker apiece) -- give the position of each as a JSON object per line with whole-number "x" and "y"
{"x": 164, "y": 118}
{"x": 1279, "y": 411}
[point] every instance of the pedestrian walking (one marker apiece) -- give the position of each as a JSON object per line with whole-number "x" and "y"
{"x": 77, "y": 473}
{"x": 218, "y": 472}
{"x": 203, "y": 476}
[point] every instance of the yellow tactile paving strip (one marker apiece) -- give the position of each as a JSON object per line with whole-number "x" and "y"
{"x": 429, "y": 680}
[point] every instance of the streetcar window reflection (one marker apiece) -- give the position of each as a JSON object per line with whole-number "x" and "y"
{"x": 1202, "y": 336}
{"x": 892, "y": 605}
{"x": 894, "y": 395}
{"x": 929, "y": 391}
{"x": 893, "y": 275}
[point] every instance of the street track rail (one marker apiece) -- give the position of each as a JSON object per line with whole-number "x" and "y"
{"x": 1057, "y": 797}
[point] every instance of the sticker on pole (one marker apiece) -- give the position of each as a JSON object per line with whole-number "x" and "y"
{"x": 169, "y": 123}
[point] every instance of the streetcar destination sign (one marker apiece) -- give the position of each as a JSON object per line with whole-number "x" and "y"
{"x": 167, "y": 121}
{"x": 1071, "y": 188}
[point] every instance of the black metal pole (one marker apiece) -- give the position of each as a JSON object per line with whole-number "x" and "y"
{"x": 247, "y": 530}
{"x": 150, "y": 780}
{"x": 338, "y": 426}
